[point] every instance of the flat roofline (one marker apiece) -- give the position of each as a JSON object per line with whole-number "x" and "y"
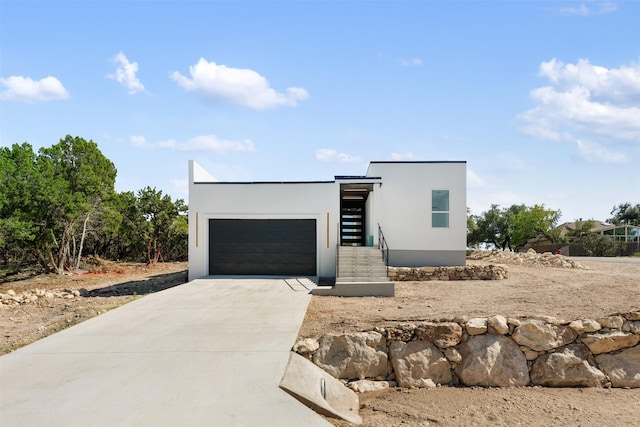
{"x": 418, "y": 161}
{"x": 263, "y": 182}
{"x": 351, "y": 177}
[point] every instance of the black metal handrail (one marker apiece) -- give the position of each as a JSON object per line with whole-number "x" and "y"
{"x": 382, "y": 245}
{"x": 338, "y": 251}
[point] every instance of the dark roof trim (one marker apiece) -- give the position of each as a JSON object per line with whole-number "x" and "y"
{"x": 420, "y": 161}
{"x": 348, "y": 177}
{"x": 266, "y": 182}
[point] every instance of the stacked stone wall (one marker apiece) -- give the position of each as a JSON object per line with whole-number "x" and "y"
{"x": 493, "y": 352}
{"x": 469, "y": 272}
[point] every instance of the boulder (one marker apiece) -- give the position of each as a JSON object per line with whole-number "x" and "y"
{"x": 305, "y": 346}
{"x": 353, "y": 356}
{"x": 611, "y": 322}
{"x": 623, "y": 368}
{"x": 401, "y": 333}
{"x": 452, "y": 355}
{"x": 492, "y": 361}
{"x": 446, "y": 334}
{"x": 363, "y": 386}
{"x": 632, "y": 326}
{"x": 497, "y": 325}
{"x": 606, "y": 342}
{"x": 541, "y": 336}
{"x": 585, "y": 325}
{"x": 418, "y": 364}
{"x": 476, "y": 326}
{"x": 566, "y": 367}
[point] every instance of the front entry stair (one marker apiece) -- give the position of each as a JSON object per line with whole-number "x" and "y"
{"x": 361, "y": 272}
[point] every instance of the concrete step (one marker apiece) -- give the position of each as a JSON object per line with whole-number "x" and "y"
{"x": 357, "y": 289}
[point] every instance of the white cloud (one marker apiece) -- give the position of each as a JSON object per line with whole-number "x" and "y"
{"x": 413, "y": 62}
{"x": 238, "y": 85}
{"x": 398, "y": 157}
{"x": 587, "y": 105}
{"x": 125, "y": 74}
{"x": 620, "y": 85}
{"x": 331, "y": 155}
{"x": 24, "y": 89}
{"x": 590, "y": 8}
{"x": 210, "y": 143}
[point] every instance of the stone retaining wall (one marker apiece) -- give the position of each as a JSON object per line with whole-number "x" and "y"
{"x": 469, "y": 272}
{"x": 492, "y": 352}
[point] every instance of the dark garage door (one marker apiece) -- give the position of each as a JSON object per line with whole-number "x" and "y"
{"x": 277, "y": 247}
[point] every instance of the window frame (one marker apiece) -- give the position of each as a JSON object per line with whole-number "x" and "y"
{"x": 445, "y": 213}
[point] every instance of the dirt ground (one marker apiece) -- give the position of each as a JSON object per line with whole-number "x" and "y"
{"x": 116, "y": 285}
{"x": 606, "y": 288}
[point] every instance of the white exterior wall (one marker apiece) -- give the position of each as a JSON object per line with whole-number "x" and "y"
{"x": 400, "y": 202}
{"x": 404, "y": 210}
{"x": 309, "y": 200}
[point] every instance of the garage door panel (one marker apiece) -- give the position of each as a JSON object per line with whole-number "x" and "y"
{"x": 262, "y": 247}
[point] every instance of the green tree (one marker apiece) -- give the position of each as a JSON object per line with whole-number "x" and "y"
{"x": 165, "y": 221}
{"x": 528, "y": 222}
{"x": 491, "y": 228}
{"x": 625, "y": 213}
{"x": 600, "y": 245}
{"x": 26, "y": 200}
{"x": 82, "y": 177}
{"x": 510, "y": 228}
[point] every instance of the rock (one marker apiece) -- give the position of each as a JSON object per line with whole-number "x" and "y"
{"x": 550, "y": 319}
{"x": 476, "y": 326}
{"x": 528, "y": 353}
{"x": 622, "y": 368}
{"x": 541, "y": 336}
{"x": 305, "y": 346}
{"x": 611, "y": 322}
{"x": 417, "y": 362}
{"x": 401, "y": 333}
{"x": 566, "y": 367}
{"x": 446, "y": 334}
{"x": 11, "y": 292}
{"x": 609, "y": 341}
{"x": 632, "y": 326}
{"x": 585, "y": 325}
{"x": 452, "y": 355}
{"x": 353, "y": 356}
{"x": 529, "y": 258}
{"x": 492, "y": 361}
{"x": 497, "y": 325}
{"x": 363, "y": 386}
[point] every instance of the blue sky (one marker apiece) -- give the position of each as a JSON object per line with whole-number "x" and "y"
{"x": 541, "y": 98}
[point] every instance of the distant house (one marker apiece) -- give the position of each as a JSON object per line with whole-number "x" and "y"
{"x": 622, "y": 233}
{"x": 295, "y": 228}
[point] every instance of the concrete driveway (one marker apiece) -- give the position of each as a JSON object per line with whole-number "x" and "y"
{"x": 210, "y": 352}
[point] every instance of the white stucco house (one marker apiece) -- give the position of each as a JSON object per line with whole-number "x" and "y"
{"x": 295, "y": 228}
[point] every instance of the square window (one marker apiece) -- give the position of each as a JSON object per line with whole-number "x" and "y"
{"x": 440, "y": 220}
{"x": 440, "y": 200}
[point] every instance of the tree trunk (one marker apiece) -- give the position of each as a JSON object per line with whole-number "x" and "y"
{"x": 84, "y": 232}
{"x": 63, "y": 248}
{"x": 41, "y": 259}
